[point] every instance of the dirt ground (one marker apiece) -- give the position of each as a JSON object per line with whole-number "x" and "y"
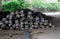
{"x": 35, "y": 34}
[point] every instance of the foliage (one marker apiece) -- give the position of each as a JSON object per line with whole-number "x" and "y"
{"x": 38, "y": 4}
{"x": 14, "y": 5}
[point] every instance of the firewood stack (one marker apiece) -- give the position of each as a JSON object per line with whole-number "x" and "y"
{"x": 25, "y": 19}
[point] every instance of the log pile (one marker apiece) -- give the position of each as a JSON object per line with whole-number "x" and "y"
{"x": 25, "y": 19}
